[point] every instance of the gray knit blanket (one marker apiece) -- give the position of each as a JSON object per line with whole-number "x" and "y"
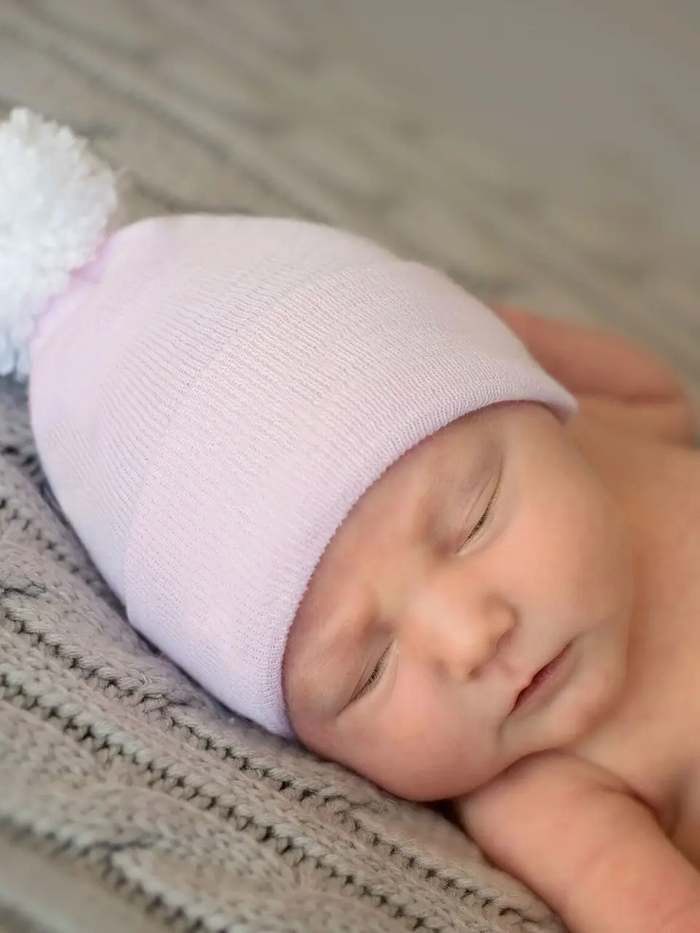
{"x": 128, "y": 800}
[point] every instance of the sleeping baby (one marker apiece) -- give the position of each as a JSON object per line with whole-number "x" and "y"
{"x": 452, "y": 548}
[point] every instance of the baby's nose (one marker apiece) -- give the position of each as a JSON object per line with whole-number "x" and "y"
{"x": 460, "y": 628}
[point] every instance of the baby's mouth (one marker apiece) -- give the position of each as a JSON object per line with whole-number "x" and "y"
{"x": 544, "y": 683}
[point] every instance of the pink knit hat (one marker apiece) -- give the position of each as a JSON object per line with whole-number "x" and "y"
{"x": 211, "y": 395}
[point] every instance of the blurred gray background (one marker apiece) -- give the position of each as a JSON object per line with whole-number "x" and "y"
{"x": 545, "y": 152}
{"x": 564, "y": 87}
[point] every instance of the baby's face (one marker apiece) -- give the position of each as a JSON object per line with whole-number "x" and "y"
{"x": 484, "y": 554}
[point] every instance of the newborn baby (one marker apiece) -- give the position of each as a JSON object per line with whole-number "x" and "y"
{"x": 452, "y": 549}
{"x": 507, "y": 617}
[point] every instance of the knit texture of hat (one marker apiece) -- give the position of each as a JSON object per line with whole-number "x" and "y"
{"x": 213, "y": 396}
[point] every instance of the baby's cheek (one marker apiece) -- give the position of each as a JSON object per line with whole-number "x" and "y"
{"x": 603, "y": 568}
{"x": 425, "y": 747}
{"x": 585, "y": 552}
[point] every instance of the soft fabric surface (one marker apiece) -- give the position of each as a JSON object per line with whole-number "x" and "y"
{"x": 128, "y": 801}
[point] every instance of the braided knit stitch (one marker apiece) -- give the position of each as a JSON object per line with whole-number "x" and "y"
{"x": 120, "y": 779}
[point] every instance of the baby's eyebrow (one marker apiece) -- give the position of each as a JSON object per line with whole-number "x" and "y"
{"x": 452, "y": 484}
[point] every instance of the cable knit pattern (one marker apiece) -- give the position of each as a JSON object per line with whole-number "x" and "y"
{"x": 123, "y": 785}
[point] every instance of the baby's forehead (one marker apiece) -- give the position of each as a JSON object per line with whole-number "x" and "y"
{"x": 455, "y": 453}
{"x": 405, "y": 503}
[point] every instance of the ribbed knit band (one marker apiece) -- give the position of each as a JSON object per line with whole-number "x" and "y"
{"x": 212, "y": 400}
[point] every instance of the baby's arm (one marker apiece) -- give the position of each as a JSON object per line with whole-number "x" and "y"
{"x": 614, "y": 378}
{"x": 589, "y": 849}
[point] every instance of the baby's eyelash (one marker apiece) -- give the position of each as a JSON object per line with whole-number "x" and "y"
{"x": 482, "y": 521}
{"x": 484, "y": 518}
{"x": 377, "y": 672}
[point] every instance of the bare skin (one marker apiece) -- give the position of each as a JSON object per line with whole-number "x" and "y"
{"x": 503, "y": 543}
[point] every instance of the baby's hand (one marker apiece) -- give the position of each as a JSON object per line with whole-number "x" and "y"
{"x": 614, "y": 379}
{"x": 588, "y": 848}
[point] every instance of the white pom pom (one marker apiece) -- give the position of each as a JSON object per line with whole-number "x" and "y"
{"x": 56, "y": 199}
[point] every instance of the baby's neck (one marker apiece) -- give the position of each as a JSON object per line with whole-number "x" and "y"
{"x": 647, "y": 739}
